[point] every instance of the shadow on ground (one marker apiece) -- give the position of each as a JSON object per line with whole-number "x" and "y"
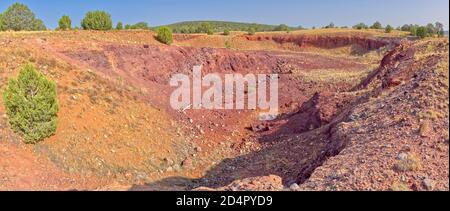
{"x": 288, "y": 157}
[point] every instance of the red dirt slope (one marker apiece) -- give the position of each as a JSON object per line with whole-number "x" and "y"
{"x": 390, "y": 133}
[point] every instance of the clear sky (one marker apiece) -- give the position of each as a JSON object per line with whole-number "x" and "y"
{"x": 307, "y": 13}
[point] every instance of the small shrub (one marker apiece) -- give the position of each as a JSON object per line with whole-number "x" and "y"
{"x": 330, "y": 26}
{"x": 227, "y": 45}
{"x": 226, "y": 32}
{"x": 422, "y": 32}
{"x": 425, "y": 128}
{"x": 410, "y": 163}
{"x": 439, "y": 29}
{"x": 205, "y": 28}
{"x": 251, "y": 31}
{"x": 164, "y": 35}
{"x": 38, "y": 25}
{"x": 400, "y": 186}
{"x": 210, "y": 31}
{"x": 360, "y": 26}
{"x": 282, "y": 27}
{"x": 119, "y": 26}
{"x": 408, "y": 27}
{"x": 65, "y": 23}
{"x": 376, "y": 25}
{"x": 97, "y": 20}
{"x": 413, "y": 30}
{"x": 389, "y": 29}
{"x": 31, "y": 105}
{"x": 2, "y": 25}
{"x": 431, "y": 30}
{"x": 140, "y": 25}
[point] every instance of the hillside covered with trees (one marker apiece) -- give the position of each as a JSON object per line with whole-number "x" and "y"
{"x": 188, "y": 27}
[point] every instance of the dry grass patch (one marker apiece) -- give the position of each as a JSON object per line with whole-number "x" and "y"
{"x": 408, "y": 163}
{"x": 400, "y": 186}
{"x": 425, "y": 128}
{"x": 334, "y": 75}
{"x": 446, "y": 137}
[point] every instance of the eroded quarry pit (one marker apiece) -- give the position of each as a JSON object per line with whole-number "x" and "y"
{"x": 346, "y": 93}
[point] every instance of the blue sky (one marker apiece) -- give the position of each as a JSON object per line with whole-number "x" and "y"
{"x": 307, "y": 13}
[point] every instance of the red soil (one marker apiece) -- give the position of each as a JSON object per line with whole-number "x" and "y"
{"x": 323, "y": 118}
{"x": 327, "y": 41}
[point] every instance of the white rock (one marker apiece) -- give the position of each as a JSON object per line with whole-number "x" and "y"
{"x": 294, "y": 187}
{"x": 402, "y": 156}
{"x": 428, "y": 184}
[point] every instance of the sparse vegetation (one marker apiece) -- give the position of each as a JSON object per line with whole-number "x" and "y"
{"x": 388, "y": 29}
{"x": 191, "y": 27}
{"x": 251, "y": 31}
{"x": 119, "y": 26}
{"x": 408, "y": 163}
{"x": 210, "y": 31}
{"x": 65, "y": 23}
{"x": 39, "y": 25}
{"x": 422, "y": 32}
{"x": 439, "y": 29}
{"x": 206, "y": 28}
{"x": 282, "y": 27}
{"x": 2, "y": 25}
{"x": 19, "y": 17}
{"x": 97, "y": 20}
{"x": 164, "y": 35}
{"x": 377, "y": 25}
{"x": 226, "y": 32}
{"x": 140, "y": 25}
{"x": 430, "y": 114}
{"x": 429, "y": 30}
{"x": 227, "y": 45}
{"x": 330, "y": 26}
{"x": 411, "y": 28}
{"x": 400, "y": 186}
{"x": 425, "y": 128}
{"x": 360, "y": 26}
{"x": 333, "y": 76}
{"x": 31, "y": 105}
{"x": 113, "y": 127}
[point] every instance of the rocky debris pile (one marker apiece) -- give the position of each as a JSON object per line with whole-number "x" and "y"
{"x": 265, "y": 183}
{"x": 392, "y": 140}
{"x": 385, "y": 135}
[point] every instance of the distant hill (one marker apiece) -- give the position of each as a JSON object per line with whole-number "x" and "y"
{"x": 220, "y": 26}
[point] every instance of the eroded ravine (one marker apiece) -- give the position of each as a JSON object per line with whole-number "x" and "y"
{"x": 255, "y": 148}
{"x": 152, "y": 66}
